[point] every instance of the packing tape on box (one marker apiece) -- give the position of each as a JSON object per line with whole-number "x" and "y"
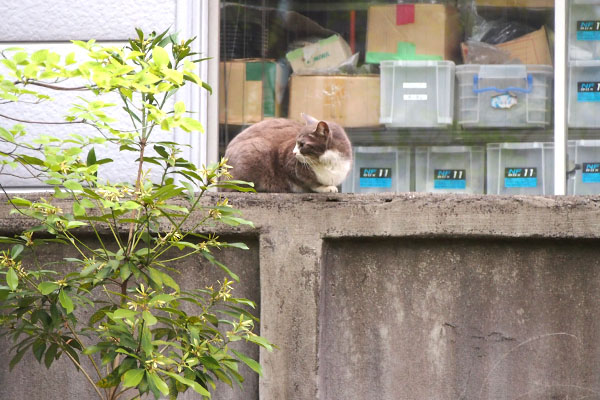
{"x": 255, "y": 71}
{"x": 404, "y": 51}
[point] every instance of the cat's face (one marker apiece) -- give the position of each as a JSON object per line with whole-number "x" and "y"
{"x": 312, "y": 142}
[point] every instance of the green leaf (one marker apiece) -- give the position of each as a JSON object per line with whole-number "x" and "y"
{"x": 261, "y": 341}
{"x": 15, "y": 360}
{"x": 158, "y": 383}
{"x": 161, "y": 151}
{"x": 133, "y": 377}
{"x": 91, "y": 157}
{"x": 12, "y": 280}
{"x": 38, "y": 349}
{"x": 240, "y": 245}
{"x": 16, "y": 250}
{"x": 212, "y": 259}
{"x": 72, "y": 185}
{"x": 160, "y": 56}
{"x": 70, "y": 59}
{"x": 170, "y": 282}
{"x": 78, "y": 209}
{"x": 47, "y": 287}
{"x": 75, "y": 224}
{"x": 50, "y": 355}
{"x": 194, "y": 385}
{"x": 147, "y": 341}
{"x": 17, "y": 201}
{"x": 235, "y": 221}
{"x": 255, "y": 366}
{"x": 149, "y": 318}
{"x": 124, "y": 313}
{"x": 65, "y": 301}
{"x": 190, "y": 124}
{"x": 179, "y": 107}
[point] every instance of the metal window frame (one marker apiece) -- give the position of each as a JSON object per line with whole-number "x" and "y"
{"x": 560, "y": 88}
{"x": 560, "y": 97}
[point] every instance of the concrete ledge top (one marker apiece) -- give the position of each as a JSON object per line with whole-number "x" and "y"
{"x": 397, "y": 215}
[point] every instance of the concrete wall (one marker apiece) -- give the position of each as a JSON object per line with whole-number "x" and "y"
{"x": 414, "y": 296}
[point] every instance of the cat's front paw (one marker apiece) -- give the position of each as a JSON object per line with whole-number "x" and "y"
{"x": 326, "y": 189}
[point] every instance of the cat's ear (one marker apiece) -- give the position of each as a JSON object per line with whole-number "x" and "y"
{"x": 322, "y": 129}
{"x": 309, "y": 120}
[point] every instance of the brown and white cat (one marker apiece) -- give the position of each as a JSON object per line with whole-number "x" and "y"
{"x": 282, "y": 155}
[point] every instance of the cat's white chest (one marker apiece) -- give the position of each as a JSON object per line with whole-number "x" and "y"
{"x": 332, "y": 168}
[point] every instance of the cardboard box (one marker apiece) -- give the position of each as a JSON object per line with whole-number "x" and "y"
{"x": 321, "y": 56}
{"x": 350, "y": 100}
{"x": 249, "y": 91}
{"x": 413, "y": 32}
{"x": 516, "y": 3}
{"x": 532, "y": 48}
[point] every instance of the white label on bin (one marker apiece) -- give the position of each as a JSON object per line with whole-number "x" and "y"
{"x": 503, "y": 101}
{"x": 412, "y": 97}
{"x": 414, "y": 85}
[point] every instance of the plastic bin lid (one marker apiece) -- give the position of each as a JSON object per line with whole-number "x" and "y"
{"x": 585, "y": 143}
{"x": 378, "y": 149}
{"x": 416, "y": 64}
{"x": 585, "y": 63}
{"x": 588, "y": 2}
{"x": 519, "y": 145}
{"x": 504, "y": 70}
{"x": 450, "y": 149}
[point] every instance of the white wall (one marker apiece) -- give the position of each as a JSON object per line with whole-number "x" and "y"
{"x": 63, "y": 20}
{"x": 34, "y": 24}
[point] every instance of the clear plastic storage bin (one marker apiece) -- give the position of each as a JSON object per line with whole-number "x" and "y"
{"x": 417, "y": 93}
{"x": 379, "y": 169}
{"x": 584, "y": 30}
{"x": 504, "y": 96}
{"x": 584, "y": 167}
{"x": 520, "y": 168}
{"x": 584, "y": 94}
{"x": 446, "y": 169}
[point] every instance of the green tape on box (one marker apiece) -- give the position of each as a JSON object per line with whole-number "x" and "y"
{"x": 404, "y": 51}
{"x": 295, "y": 54}
{"x": 256, "y": 71}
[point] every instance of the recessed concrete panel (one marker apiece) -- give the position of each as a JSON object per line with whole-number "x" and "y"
{"x": 459, "y": 319}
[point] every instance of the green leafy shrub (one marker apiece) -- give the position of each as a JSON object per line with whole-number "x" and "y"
{"x": 141, "y": 337}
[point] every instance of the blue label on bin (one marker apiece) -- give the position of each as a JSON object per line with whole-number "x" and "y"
{"x": 590, "y": 172}
{"x": 520, "y": 177}
{"x": 588, "y": 30}
{"x": 588, "y": 91}
{"x": 375, "y": 178}
{"x": 450, "y": 179}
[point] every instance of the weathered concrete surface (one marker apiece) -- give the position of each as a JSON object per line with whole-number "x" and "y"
{"x": 460, "y": 319}
{"x": 420, "y": 296}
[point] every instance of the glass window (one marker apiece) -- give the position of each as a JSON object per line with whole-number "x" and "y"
{"x": 436, "y": 96}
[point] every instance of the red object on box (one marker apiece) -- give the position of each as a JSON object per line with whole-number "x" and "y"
{"x": 405, "y": 14}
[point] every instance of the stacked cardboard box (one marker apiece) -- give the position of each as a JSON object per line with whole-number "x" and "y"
{"x": 351, "y": 101}
{"x": 413, "y": 32}
{"x": 249, "y": 91}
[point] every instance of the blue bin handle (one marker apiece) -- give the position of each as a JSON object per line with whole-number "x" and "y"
{"x": 476, "y": 88}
